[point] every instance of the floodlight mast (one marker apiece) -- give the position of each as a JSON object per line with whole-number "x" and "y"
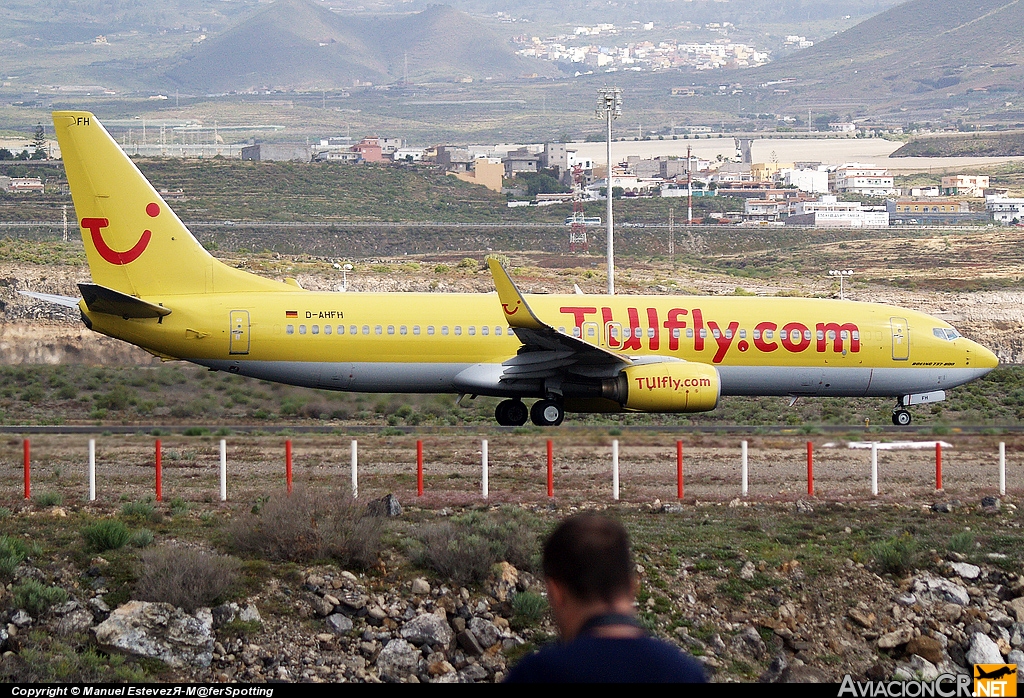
{"x": 609, "y": 106}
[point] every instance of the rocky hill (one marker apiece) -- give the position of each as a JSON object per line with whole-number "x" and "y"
{"x": 295, "y": 44}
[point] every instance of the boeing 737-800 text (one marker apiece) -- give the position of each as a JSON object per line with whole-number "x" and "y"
{"x": 154, "y": 285}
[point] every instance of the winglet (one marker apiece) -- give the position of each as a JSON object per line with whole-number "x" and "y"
{"x": 517, "y": 312}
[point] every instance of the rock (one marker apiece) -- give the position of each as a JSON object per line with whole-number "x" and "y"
{"x": 486, "y": 632}
{"x": 339, "y": 624}
{"x": 1016, "y": 657}
{"x": 983, "y": 651}
{"x": 1016, "y": 608}
{"x": 775, "y": 669}
{"x": 250, "y": 614}
{"x": 942, "y": 507}
{"x": 926, "y": 647}
{"x": 990, "y": 505}
{"x": 399, "y": 660}
{"x": 1000, "y": 619}
{"x": 353, "y": 600}
{"x": 223, "y": 614}
{"x": 331, "y": 599}
{"x": 503, "y": 581}
{"x": 322, "y": 606}
{"x": 469, "y": 644}
{"x": 473, "y": 673}
{"x": 922, "y": 669}
{"x": 387, "y": 506}
{"x": 749, "y": 642}
{"x": 78, "y": 621}
{"x": 802, "y": 674}
{"x": 428, "y": 629}
{"x": 864, "y": 619}
{"x": 159, "y": 631}
{"x": 931, "y": 588}
{"x": 747, "y": 571}
{"x": 900, "y": 636}
{"x": 906, "y": 600}
{"x": 966, "y": 570}
{"x": 420, "y": 586}
{"x": 803, "y": 507}
{"x": 21, "y": 619}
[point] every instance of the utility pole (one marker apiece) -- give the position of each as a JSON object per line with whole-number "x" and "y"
{"x": 672, "y": 236}
{"x": 609, "y": 106}
{"x": 689, "y": 189}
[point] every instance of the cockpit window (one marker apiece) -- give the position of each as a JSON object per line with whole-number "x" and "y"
{"x": 947, "y": 333}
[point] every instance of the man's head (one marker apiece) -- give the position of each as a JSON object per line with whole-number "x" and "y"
{"x": 588, "y": 556}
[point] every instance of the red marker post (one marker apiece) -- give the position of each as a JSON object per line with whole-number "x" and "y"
{"x": 810, "y": 469}
{"x": 159, "y": 474}
{"x": 288, "y": 464}
{"x": 28, "y": 474}
{"x": 679, "y": 470}
{"x": 938, "y": 466}
{"x": 419, "y": 468}
{"x": 551, "y": 470}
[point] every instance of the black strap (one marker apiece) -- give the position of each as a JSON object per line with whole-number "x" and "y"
{"x": 608, "y": 619}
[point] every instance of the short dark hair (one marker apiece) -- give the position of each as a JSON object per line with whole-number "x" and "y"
{"x": 589, "y": 554}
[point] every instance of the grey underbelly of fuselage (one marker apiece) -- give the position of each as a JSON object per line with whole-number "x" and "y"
{"x": 396, "y": 377}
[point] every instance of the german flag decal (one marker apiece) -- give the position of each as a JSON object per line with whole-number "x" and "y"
{"x": 291, "y": 313}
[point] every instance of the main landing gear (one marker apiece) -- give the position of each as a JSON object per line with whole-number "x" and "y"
{"x": 900, "y": 416}
{"x": 511, "y": 413}
{"x": 544, "y": 413}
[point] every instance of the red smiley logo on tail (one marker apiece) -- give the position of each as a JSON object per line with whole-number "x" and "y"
{"x": 513, "y": 311}
{"x": 94, "y": 225}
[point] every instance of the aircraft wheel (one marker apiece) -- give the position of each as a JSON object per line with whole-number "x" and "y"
{"x": 547, "y": 413}
{"x": 901, "y": 418}
{"x": 511, "y": 413}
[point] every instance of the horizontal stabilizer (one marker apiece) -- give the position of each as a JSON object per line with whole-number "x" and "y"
{"x": 66, "y": 301}
{"x": 101, "y": 299}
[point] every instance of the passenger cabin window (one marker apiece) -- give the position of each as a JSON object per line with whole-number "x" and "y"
{"x": 716, "y": 334}
{"x": 430, "y": 329}
{"x": 728, "y": 334}
{"x": 403, "y": 330}
{"x": 689, "y": 333}
{"x": 327, "y": 329}
{"x": 472, "y": 330}
{"x": 416, "y": 329}
{"x": 316, "y": 329}
{"x": 366, "y": 329}
{"x": 484, "y": 330}
{"x": 458, "y": 330}
{"x": 497, "y": 330}
{"x": 391, "y": 329}
{"x": 302, "y": 329}
{"x": 378, "y": 329}
{"x": 444, "y": 330}
{"x": 743, "y": 334}
{"x": 290, "y": 329}
{"x": 757, "y": 334}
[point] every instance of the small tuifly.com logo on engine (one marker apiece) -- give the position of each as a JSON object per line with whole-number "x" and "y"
{"x": 995, "y": 680}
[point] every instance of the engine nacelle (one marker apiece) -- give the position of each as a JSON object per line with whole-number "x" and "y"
{"x": 671, "y": 387}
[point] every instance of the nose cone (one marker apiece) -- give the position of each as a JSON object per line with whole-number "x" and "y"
{"x": 981, "y": 357}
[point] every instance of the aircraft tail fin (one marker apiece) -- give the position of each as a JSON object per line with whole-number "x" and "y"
{"x": 134, "y": 242}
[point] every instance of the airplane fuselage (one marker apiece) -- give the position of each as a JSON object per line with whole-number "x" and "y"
{"x": 429, "y": 342}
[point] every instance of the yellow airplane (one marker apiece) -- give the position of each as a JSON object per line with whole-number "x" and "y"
{"x": 156, "y": 287}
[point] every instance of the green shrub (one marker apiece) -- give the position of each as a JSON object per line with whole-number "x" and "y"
{"x": 962, "y": 542}
{"x": 528, "y": 609}
{"x": 465, "y": 548}
{"x": 139, "y": 510}
{"x": 307, "y": 526}
{"x": 185, "y": 577}
{"x": 49, "y": 499}
{"x": 13, "y": 552}
{"x": 895, "y": 555}
{"x": 196, "y": 431}
{"x": 109, "y": 534}
{"x": 179, "y": 506}
{"x": 35, "y": 597}
{"x": 143, "y": 538}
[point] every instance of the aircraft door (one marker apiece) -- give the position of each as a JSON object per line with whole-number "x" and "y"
{"x": 239, "y": 341}
{"x": 900, "y": 339}
{"x": 591, "y": 333}
{"x": 613, "y": 335}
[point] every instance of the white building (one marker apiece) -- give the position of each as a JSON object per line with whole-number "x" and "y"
{"x": 813, "y": 181}
{"x": 1005, "y": 210}
{"x": 866, "y": 180}
{"x": 827, "y": 212}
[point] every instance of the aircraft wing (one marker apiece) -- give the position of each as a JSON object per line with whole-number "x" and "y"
{"x": 546, "y": 352}
{"x": 66, "y": 301}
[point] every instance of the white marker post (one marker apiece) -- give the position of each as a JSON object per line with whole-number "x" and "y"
{"x": 615, "y": 469}
{"x": 355, "y": 470}
{"x": 874, "y": 470}
{"x": 483, "y": 466}
{"x": 92, "y": 470}
{"x": 223, "y": 470}
{"x": 743, "y": 468}
{"x": 1002, "y": 469}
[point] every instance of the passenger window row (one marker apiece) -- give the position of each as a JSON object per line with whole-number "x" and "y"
{"x": 457, "y": 330}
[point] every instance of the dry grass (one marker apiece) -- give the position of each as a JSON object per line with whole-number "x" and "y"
{"x": 185, "y": 577}
{"x": 310, "y": 525}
